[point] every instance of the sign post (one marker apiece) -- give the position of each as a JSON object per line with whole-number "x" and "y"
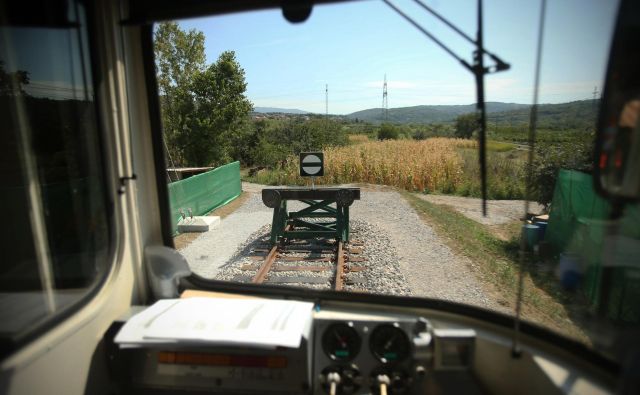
{"x": 312, "y": 165}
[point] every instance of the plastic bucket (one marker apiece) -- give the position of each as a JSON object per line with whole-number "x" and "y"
{"x": 531, "y": 234}
{"x": 542, "y": 225}
{"x": 569, "y": 271}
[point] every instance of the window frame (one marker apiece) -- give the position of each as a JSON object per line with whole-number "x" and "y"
{"x": 197, "y": 282}
{"x": 13, "y": 343}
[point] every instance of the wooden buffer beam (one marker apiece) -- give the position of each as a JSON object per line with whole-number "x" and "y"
{"x": 326, "y": 214}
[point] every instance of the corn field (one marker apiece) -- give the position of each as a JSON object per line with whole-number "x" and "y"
{"x": 428, "y": 165}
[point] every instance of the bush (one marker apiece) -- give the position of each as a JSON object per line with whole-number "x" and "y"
{"x": 465, "y": 125}
{"x": 388, "y": 132}
{"x": 277, "y": 140}
{"x": 421, "y": 134}
{"x": 550, "y": 158}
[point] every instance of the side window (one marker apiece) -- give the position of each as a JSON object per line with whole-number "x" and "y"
{"x": 56, "y": 239}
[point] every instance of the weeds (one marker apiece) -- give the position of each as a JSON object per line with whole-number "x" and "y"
{"x": 434, "y": 165}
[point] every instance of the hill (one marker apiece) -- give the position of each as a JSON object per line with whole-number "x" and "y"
{"x": 429, "y": 114}
{"x": 265, "y": 110}
{"x": 575, "y": 114}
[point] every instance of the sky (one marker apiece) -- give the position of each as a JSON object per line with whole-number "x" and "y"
{"x": 56, "y": 61}
{"x": 351, "y": 46}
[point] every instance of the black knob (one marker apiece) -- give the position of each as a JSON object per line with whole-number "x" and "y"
{"x": 422, "y": 325}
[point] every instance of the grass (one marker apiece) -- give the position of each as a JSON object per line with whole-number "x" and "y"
{"x": 520, "y": 134}
{"x": 497, "y": 264}
{"x": 428, "y": 165}
{"x": 440, "y": 165}
{"x": 358, "y": 138}
{"x": 499, "y": 146}
{"x": 505, "y": 175}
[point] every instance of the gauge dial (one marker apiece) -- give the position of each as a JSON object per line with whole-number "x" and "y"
{"x": 389, "y": 343}
{"x": 341, "y": 342}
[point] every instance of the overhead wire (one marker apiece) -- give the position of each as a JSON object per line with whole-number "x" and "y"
{"x": 515, "y": 350}
{"x": 428, "y": 34}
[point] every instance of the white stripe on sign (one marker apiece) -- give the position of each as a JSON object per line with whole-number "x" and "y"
{"x": 311, "y": 170}
{"x": 310, "y": 164}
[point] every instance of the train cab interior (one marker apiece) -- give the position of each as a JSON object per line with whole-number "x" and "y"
{"x": 89, "y": 266}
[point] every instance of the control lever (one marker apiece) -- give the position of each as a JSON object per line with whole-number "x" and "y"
{"x": 333, "y": 378}
{"x": 383, "y": 381}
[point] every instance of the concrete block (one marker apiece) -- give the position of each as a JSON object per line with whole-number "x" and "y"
{"x": 198, "y": 224}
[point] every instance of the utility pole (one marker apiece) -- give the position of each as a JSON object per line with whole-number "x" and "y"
{"x": 326, "y": 101}
{"x": 595, "y": 95}
{"x": 385, "y": 101}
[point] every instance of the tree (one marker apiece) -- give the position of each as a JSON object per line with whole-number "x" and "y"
{"x": 220, "y": 110}
{"x": 12, "y": 83}
{"x": 203, "y": 107}
{"x": 387, "y": 132}
{"x": 466, "y": 124}
{"x": 551, "y": 158}
{"x": 280, "y": 139}
{"x": 179, "y": 56}
{"x": 421, "y": 134}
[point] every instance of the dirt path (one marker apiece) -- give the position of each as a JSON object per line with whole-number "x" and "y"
{"x": 499, "y": 211}
{"x": 431, "y": 268}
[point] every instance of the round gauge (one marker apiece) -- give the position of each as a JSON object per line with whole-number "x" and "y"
{"x": 389, "y": 343}
{"x": 341, "y": 342}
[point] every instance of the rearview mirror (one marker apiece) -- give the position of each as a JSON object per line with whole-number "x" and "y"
{"x": 617, "y": 155}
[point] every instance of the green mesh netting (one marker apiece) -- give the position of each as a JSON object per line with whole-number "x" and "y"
{"x": 204, "y": 192}
{"x": 578, "y": 225}
{"x": 573, "y": 198}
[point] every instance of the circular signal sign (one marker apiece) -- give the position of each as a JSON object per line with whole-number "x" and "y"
{"x": 311, "y": 164}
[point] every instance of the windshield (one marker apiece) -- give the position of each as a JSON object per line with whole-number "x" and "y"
{"x": 342, "y": 153}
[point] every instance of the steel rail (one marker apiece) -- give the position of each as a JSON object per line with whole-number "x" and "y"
{"x": 338, "y": 283}
{"x": 269, "y": 261}
{"x": 266, "y": 266}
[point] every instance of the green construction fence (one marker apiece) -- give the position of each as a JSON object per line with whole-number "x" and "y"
{"x": 204, "y": 192}
{"x": 578, "y": 224}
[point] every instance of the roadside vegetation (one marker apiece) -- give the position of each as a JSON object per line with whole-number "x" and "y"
{"x": 431, "y": 159}
{"x": 496, "y": 262}
{"x": 435, "y": 165}
{"x": 208, "y": 121}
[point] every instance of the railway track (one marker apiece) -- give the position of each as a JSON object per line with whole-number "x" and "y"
{"x": 320, "y": 262}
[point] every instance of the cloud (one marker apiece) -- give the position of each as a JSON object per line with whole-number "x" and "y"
{"x": 501, "y": 83}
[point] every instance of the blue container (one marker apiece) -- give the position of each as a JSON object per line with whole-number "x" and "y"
{"x": 569, "y": 271}
{"x": 531, "y": 233}
{"x": 542, "y": 225}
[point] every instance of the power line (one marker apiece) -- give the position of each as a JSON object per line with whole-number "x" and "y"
{"x": 326, "y": 100}
{"x": 385, "y": 100}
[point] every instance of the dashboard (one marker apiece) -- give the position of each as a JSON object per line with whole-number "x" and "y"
{"x": 350, "y": 349}
{"x": 386, "y": 354}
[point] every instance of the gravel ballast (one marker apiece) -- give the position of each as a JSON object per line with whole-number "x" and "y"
{"x": 430, "y": 267}
{"x": 378, "y": 257}
{"x": 403, "y": 255}
{"x": 214, "y": 248}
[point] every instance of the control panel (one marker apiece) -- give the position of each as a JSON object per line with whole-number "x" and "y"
{"x": 344, "y": 352}
{"x": 379, "y": 356}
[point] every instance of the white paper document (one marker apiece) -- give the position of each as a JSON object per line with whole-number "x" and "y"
{"x": 249, "y": 322}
